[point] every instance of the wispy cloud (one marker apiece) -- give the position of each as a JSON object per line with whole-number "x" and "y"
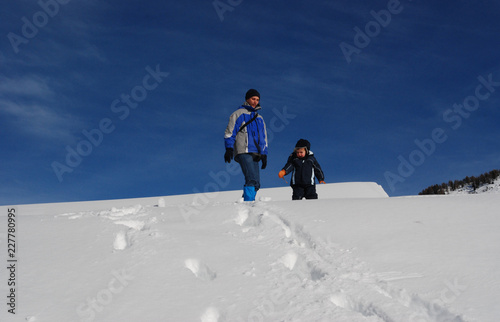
{"x": 28, "y": 103}
{"x": 36, "y": 120}
{"x": 26, "y": 86}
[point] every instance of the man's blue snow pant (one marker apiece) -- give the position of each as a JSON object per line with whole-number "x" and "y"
{"x": 251, "y": 172}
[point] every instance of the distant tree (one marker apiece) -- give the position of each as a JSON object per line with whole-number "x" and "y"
{"x": 473, "y": 182}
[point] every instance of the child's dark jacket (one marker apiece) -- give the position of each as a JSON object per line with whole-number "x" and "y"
{"x": 304, "y": 170}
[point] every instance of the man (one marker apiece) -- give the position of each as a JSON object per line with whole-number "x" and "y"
{"x": 245, "y": 140}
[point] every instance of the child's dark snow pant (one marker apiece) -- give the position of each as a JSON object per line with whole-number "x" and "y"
{"x": 301, "y": 191}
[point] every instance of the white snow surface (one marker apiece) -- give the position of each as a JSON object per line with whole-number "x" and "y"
{"x": 353, "y": 255}
{"x": 486, "y": 188}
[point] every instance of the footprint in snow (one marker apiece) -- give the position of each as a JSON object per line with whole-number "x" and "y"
{"x": 199, "y": 269}
{"x": 161, "y": 202}
{"x": 121, "y": 241}
{"x": 342, "y": 300}
{"x": 133, "y": 224}
{"x": 211, "y": 314}
{"x": 248, "y": 219}
{"x": 242, "y": 217}
{"x": 120, "y": 213}
{"x": 289, "y": 260}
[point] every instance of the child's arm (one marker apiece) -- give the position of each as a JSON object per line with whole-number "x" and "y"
{"x": 289, "y": 164}
{"x": 287, "y": 168}
{"x": 318, "y": 172}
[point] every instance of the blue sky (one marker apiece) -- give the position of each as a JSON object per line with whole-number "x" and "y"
{"x": 124, "y": 99}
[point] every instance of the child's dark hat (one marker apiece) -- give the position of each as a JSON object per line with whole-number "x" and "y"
{"x": 302, "y": 143}
{"x": 251, "y": 93}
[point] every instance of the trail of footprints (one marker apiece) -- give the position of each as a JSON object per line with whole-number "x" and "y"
{"x": 336, "y": 282}
{"x": 126, "y": 237}
{"x": 129, "y": 217}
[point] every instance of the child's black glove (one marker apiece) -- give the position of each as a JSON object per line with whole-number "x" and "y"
{"x": 264, "y": 161}
{"x": 228, "y": 156}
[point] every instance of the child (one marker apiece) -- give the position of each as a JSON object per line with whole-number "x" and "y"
{"x": 304, "y": 168}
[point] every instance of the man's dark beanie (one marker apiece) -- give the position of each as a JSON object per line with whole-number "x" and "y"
{"x": 251, "y": 93}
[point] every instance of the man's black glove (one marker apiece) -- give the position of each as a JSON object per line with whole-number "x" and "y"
{"x": 264, "y": 161}
{"x": 228, "y": 156}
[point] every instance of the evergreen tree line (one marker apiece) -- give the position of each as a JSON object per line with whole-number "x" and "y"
{"x": 473, "y": 182}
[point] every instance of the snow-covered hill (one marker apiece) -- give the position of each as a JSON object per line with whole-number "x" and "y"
{"x": 353, "y": 255}
{"x": 487, "y": 188}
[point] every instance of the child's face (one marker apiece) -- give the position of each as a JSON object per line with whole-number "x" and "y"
{"x": 253, "y": 101}
{"x": 300, "y": 152}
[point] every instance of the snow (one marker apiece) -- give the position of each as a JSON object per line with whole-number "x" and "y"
{"x": 485, "y": 188}
{"x": 353, "y": 255}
